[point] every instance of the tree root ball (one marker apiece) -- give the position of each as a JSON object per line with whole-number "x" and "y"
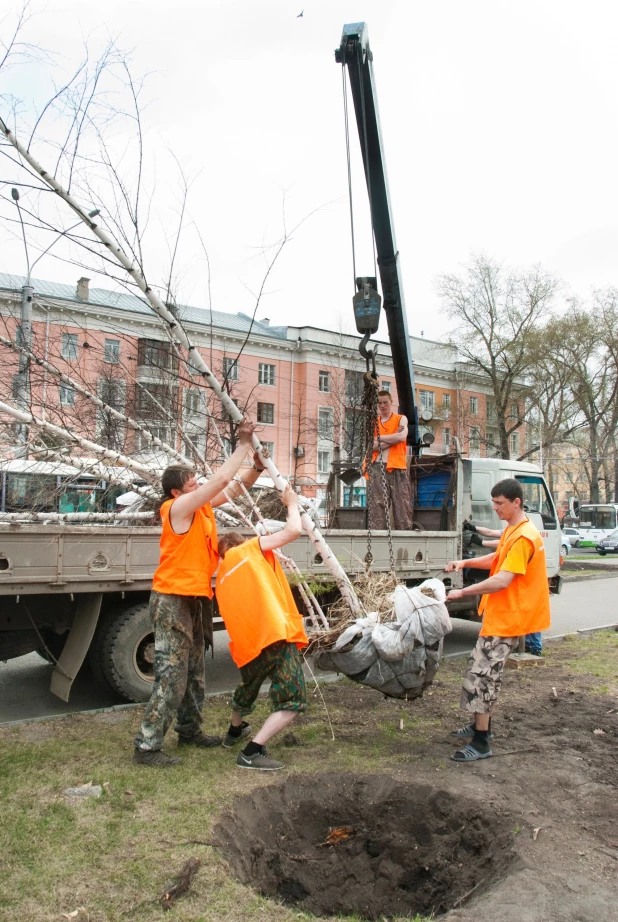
{"x": 370, "y": 845}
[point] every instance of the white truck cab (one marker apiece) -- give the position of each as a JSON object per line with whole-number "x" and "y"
{"x": 481, "y": 474}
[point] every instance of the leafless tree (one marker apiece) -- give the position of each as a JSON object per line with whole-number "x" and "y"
{"x": 494, "y": 310}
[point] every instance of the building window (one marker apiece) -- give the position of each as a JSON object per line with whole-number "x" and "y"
{"x": 446, "y": 401}
{"x": 475, "y": 441}
{"x": 164, "y": 433}
{"x": 266, "y": 374}
{"x": 386, "y": 386}
{"x": 354, "y": 433}
{"x": 112, "y": 392}
{"x": 112, "y": 351}
{"x": 270, "y": 447}
{"x": 157, "y": 353}
{"x": 427, "y": 400}
{"x": 514, "y": 443}
{"x": 324, "y": 382}
{"x": 354, "y": 388}
{"x": 70, "y": 346}
{"x": 474, "y": 406}
{"x": 491, "y": 412}
{"x": 446, "y": 440}
{"x": 514, "y": 411}
{"x": 111, "y": 431}
{"x": 67, "y": 396}
{"x": 325, "y": 423}
{"x": 195, "y": 441}
{"x": 195, "y": 401}
{"x": 266, "y": 413}
{"x": 324, "y": 462}
{"x": 149, "y": 396}
{"x": 230, "y": 369}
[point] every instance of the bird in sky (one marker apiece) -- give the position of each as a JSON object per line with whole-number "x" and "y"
{"x": 302, "y": 13}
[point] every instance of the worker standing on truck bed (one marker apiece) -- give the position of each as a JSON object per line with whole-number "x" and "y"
{"x": 515, "y": 601}
{"x": 393, "y": 432}
{"x": 266, "y": 634}
{"x": 189, "y": 558}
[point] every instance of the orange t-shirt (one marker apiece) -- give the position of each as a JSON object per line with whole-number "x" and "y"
{"x": 396, "y": 453}
{"x": 523, "y": 607}
{"x": 256, "y": 602}
{"x": 188, "y": 561}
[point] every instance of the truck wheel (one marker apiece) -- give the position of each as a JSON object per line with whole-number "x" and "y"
{"x": 122, "y": 652}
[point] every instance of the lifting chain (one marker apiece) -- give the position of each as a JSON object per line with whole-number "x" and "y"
{"x": 372, "y": 431}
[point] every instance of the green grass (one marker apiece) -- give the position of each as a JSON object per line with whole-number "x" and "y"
{"x": 115, "y": 855}
{"x": 596, "y": 656}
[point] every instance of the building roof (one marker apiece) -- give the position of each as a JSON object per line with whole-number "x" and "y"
{"x": 124, "y": 301}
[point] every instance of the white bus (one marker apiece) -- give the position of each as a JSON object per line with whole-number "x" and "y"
{"x": 43, "y": 486}
{"x": 594, "y": 521}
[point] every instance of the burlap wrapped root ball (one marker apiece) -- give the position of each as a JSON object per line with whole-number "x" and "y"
{"x": 398, "y": 657}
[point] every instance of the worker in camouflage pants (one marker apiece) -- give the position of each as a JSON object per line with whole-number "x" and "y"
{"x": 178, "y": 669}
{"x": 188, "y": 561}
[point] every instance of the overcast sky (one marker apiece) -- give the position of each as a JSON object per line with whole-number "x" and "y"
{"x": 499, "y": 124}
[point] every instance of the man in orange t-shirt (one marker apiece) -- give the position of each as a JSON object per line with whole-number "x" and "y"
{"x": 392, "y": 429}
{"x": 266, "y": 633}
{"x": 183, "y": 578}
{"x": 515, "y": 602}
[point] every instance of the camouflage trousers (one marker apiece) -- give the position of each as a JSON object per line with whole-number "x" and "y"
{"x": 178, "y": 669}
{"x": 483, "y": 677}
{"x": 283, "y": 665}
{"x": 398, "y": 496}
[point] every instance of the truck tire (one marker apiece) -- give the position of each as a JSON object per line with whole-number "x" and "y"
{"x": 122, "y": 652}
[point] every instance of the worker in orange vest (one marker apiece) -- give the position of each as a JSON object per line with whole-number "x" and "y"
{"x": 187, "y": 564}
{"x": 392, "y": 429}
{"x": 515, "y": 602}
{"x": 266, "y": 633}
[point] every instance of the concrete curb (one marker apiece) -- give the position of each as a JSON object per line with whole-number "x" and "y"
{"x": 588, "y": 630}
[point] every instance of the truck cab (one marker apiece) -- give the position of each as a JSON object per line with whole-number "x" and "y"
{"x": 483, "y": 473}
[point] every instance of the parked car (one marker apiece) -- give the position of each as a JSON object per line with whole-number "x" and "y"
{"x": 572, "y": 535}
{"x": 565, "y": 547}
{"x": 608, "y": 545}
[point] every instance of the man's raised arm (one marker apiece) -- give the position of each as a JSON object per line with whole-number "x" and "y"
{"x": 293, "y": 527}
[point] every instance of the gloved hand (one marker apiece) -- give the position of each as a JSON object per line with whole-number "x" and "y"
{"x": 468, "y": 526}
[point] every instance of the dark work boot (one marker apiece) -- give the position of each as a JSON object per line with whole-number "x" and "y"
{"x": 200, "y": 739}
{"x": 154, "y": 757}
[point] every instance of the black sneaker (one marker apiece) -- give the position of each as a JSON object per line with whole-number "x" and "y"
{"x": 230, "y": 741}
{"x": 201, "y": 740}
{"x": 259, "y": 761}
{"x": 154, "y": 757}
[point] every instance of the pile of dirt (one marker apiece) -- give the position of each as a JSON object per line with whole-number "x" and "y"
{"x": 364, "y": 844}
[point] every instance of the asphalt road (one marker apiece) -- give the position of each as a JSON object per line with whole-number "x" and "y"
{"x": 24, "y": 682}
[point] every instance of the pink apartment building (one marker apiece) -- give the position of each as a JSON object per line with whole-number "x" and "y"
{"x": 302, "y": 384}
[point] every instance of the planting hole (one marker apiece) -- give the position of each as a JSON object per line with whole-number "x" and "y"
{"x": 364, "y": 844}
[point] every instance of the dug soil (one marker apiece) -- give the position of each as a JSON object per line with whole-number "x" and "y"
{"x": 529, "y": 835}
{"x": 364, "y": 844}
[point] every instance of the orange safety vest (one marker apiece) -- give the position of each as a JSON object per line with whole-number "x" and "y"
{"x": 256, "y": 602}
{"x": 523, "y": 607}
{"x": 397, "y": 453}
{"x": 188, "y": 561}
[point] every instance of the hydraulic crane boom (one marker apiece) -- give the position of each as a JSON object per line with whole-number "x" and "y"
{"x": 355, "y": 54}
